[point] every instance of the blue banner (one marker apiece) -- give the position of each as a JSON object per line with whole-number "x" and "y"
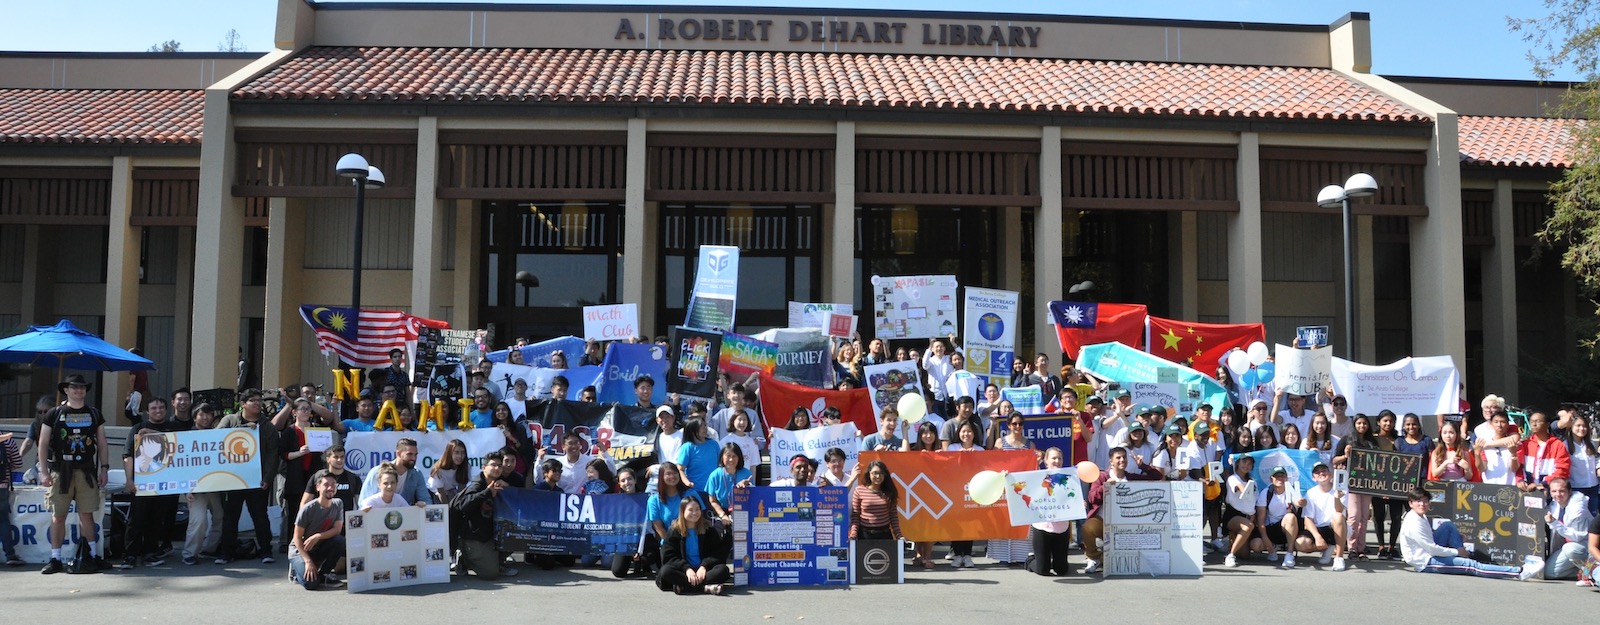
{"x": 624, "y": 363}
{"x": 1115, "y": 362}
{"x": 1049, "y": 430}
{"x": 1025, "y": 399}
{"x": 538, "y": 354}
{"x": 795, "y": 536}
{"x": 1298, "y": 462}
{"x": 554, "y": 523}
{"x": 716, "y": 289}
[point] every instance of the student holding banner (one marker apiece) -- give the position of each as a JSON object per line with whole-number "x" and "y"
{"x": 874, "y": 506}
{"x": 1051, "y": 538}
{"x": 472, "y": 521}
{"x": 1094, "y": 525}
{"x": 1359, "y": 507}
{"x": 1012, "y": 552}
{"x": 967, "y": 433}
{"x": 299, "y": 461}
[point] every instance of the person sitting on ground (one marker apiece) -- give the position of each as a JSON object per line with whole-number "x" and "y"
{"x": 660, "y": 511}
{"x": 1568, "y": 516}
{"x": 473, "y": 521}
{"x": 1276, "y": 523}
{"x": 318, "y": 542}
{"x": 1323, "y": 520}
{"x": 693, "y": 555}
{"x": 1431, "y": 548}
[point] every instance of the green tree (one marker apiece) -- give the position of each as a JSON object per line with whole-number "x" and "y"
{"x": 1568, "y": 36}
{"x": 170, "y": 45}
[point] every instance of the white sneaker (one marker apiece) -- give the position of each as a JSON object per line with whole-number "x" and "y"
{"x": 1230, "y": 561}
{"x": 1090, "y": 567}
{"x": 1272, "y": 556}
{"x": 1533, "y": 567}
{"x": 1288, "y": 560}
{"x": 1338, "y": 564}
{"x": 1327, "y": 556}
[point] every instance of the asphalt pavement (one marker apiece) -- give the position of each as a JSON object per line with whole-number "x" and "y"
{"x": 249, "y": 592}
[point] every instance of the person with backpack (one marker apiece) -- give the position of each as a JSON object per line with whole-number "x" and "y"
{"x": 73, "y": 465}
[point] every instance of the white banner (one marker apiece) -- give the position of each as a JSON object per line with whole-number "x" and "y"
{"x": 813, "y": 444}
{"x": 1301, "y": 371}
{"x": 1047, "y": 495}
{"x": 1426, "y": 385}
{"x": 989, "y": 342}
{"x": 30, "y": 526}
{"x": 815, "y": 315}
{"x": 890, "y": 380}
{"x": 1164, "y": 394}
{"x": 364, "y": 450}
{"x": 611, "y": 322}
{"x": 1153, "y": 528}
{"x": 393, "y": 547}
{"x": 913, "y": 307}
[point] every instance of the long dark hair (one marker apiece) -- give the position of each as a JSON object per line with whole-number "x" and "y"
{"x": 1587, "y": 442}
{"x": 927, "y": 427}
{"x": 889, "y": 490}
{"x": 661, "y": 481}
{"x": 1369, "y": 440}
{"x": 447, "y": 462}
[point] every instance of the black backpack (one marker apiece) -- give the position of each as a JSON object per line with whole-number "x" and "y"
{"x": 82, "y": 561}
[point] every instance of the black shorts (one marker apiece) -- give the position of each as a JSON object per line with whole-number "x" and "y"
{"x": 1327, "y": 534}
{"x": 1229, "y": 514}
{"x": 1276, "y": 534}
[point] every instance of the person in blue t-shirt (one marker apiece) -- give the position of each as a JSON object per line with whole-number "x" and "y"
{"x": 698, "y": 455}
{"x": 482, "y": 414}
{"x": 885, "y": 438}
{"x": 729, "y": 474}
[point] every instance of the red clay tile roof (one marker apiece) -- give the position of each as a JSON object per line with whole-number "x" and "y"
{"x": 101, "y": 116}
{"x": 1516, "y": 141}
{"x": 347, "y": 74}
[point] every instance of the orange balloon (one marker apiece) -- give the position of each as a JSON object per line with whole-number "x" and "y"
{"x": 1087, "y": 471}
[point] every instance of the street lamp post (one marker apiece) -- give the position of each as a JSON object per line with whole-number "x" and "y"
{"x": 363, "y": 176}
{"x": 1334, "y": 196}
{"x": 1080, "y": 290}
{"x": 528, "y": 282}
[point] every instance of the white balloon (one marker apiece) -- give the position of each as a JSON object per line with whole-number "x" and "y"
{"x": 1238, "y": 361}
{"x": 1258, "y": 353}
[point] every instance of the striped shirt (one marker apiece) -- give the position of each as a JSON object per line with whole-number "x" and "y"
{"x": 869, "y": 508}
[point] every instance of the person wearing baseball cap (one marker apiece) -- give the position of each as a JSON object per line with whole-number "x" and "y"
{"x": 1141, "y": 450}
{"x": 1259, "y": 417}
{"x": 1172, "y": 460}
{"x": 73, "y": 463}
{"x": 1322, "y": 518}
{"x": 1276, "y": 523}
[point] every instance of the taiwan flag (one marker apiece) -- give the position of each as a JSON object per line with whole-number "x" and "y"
{"x": 1088, "y": 323}
{"x": 1200, "y": 345}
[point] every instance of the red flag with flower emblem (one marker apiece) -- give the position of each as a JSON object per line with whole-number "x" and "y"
{"x": 1088, "y": 323}
{"x": 1200, "y": 345}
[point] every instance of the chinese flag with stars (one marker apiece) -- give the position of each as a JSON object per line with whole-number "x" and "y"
{"x": 1200, "y": 346}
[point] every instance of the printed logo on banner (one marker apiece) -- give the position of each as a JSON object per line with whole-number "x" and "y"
{"x": 923, "y": 494}
{"x": 718, "y": 260}
{"x": 990, "y": 326}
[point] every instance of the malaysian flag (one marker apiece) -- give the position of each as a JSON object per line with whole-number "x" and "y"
{"x": 366, "y": 344}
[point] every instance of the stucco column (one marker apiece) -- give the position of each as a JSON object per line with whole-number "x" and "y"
{"x": 1010, "y": 248}
{"x": 1184, "y": 265}
{"x": 122, "y": 280}
{"x": 838, "y": 259}
{"x": 1438, "y": 322}
{"x": 286, "y": 225}
{"x": 1047, "y": 278}
{"x": 1245, "y": 274}
{"x": 218, "y": 277}
{"x": 1366, "y": 291}
{"x": 183, "y": 308}
{"x": 469, "y": 229}
{"x": 1500, "y": 300}
{"x": 635, "y": 257}
{"x": 426, "y": 295}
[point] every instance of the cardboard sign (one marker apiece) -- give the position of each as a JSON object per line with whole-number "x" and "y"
{"x": 611, "y": 322}
{"x": 889, "y": 381}
{"x": 1498, "y": 523}
{"x": 1311, "y": 336}
{"x": 692, "y": 362}
{"x": 913, "y": 307}
{"x": 791, "y": 536}
{"x": 716, "y": 289}
{"x": 196, "y": 461}
{"x": 1045, "y": 495}
{"x": 878, "y": 561}
{"x": 991, "y": 333}
{"x": 393, "y": 547}
{"x": 743, "y": 356}
{"x": 319, "y": 439}
{"x": 1423, "y": 385}
{"x": 1385, "y": 473}
{"x": 1302, "y": 371}
{"x": 815, "y": 315}
{"x": 1153, "y": 528}
{"x": 841, "y": 326}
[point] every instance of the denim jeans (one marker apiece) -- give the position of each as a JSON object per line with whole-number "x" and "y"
{"x": 5, "y": 522}
{"x": 1446, "y": 535}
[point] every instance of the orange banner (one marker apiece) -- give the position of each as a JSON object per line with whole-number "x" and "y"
{"x": 934, "y": 505}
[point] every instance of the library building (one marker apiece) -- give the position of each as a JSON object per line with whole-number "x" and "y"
{"x": 539, "y": 158}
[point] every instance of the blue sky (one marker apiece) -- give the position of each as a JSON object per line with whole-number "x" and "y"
{"x": 1458, "y": 39}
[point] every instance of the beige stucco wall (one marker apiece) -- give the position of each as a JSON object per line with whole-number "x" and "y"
{"x": 115, "y": 71}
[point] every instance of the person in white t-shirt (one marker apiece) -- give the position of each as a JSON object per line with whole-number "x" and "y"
{"x": 1240, "y": 511}
{"x": 1295, "y": 413}
{"x": 1276, "y": 523}
{"x": 1323, "y": 520}
{"x": 1257, "y": 418}
{"x": 1499, "y": 450}
{"x": 386, "y": 497}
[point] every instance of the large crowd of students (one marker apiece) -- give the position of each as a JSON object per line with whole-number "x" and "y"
{"x": 708, "y": 447}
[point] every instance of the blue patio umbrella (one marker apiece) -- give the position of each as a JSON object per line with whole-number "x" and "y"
{"x": 64, "y": 346}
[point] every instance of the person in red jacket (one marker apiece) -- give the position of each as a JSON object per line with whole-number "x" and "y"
{"x": 1542, "y": 457}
